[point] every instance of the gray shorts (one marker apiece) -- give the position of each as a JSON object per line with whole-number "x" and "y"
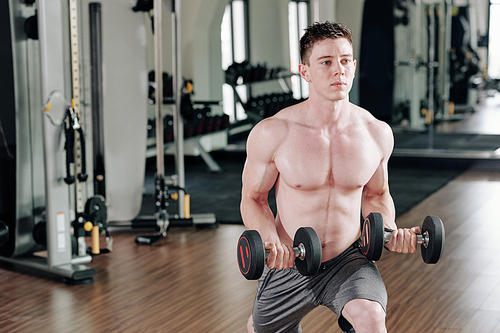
{"x": 284, "y": 297}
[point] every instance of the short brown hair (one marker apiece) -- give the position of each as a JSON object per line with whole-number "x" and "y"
{"x": 321, "y": 31}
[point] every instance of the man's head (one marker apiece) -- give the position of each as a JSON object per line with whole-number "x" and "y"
{"x": 318, "y": 32}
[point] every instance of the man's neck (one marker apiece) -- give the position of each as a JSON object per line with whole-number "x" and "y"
{"x": 321, "y": 113}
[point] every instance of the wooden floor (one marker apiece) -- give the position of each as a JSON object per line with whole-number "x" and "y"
{"x": 191, "y": 283}
{"x": 485, "y": 120}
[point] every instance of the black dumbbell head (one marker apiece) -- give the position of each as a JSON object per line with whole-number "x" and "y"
{"x": 313, "y": 249}
{"x": 251, "y": 255}
{"x": 372, "y": 236}
{"x": 433, "y": 226}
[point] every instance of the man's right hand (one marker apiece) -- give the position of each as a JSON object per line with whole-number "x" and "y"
{"x": 281, "y": 256}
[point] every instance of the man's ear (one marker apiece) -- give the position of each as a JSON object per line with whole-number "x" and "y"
{"x": 304, "y": 72}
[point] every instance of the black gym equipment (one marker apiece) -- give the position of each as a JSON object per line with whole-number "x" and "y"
{"x": 72, "y": 125}
{"x": 143, "y": 6}
{"x": 245, "y": 72}
{"x": 31, "y": 27}
{"x": 376, "y": 60}
{"x": 464, "y": 59}
{"x": 431, "y": 240}
{"x": 4, "y": 233}
{"x": 95, "y": 30}
{"x": 96, "y": 216}
{"x": 252, "y": 255}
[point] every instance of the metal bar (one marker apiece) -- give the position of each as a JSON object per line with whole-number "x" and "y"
{"x": 97, "y": 98}
{"x": 76, "y": 272}
{"x": 431, "y": 69}
{"x": 75, "y": 104}
{"x": 178, "y": 84}
{"x": 50, "y": 30}
{"x": 149, "y": 221}
{"x": 212, "y": 165}
{"x": 75, "y": 64}
{"x": 448, "y": 8}
{"x": 447, "y": 154}
{"x": 158, "y": 51}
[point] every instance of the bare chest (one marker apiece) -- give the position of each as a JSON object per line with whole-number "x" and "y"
{"x": 311, "y": 160}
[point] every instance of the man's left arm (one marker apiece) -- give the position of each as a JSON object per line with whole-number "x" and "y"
{"x": 377, "y": 198}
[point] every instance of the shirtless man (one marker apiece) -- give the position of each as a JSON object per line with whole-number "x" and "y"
{"x": 327, "y": 159}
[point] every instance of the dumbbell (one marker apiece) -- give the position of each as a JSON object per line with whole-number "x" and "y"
{"x": 431, "y": 240}
{"x": 252, "y": 255}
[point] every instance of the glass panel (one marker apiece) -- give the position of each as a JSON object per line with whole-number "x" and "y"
{"x": 233, "y": 48}
{"x": 494, "y": 41}
{"x": 293, "y": 36}
{"x": 297, "y": 22}
{"x": 303, "y": 23}
{"x": 225, "y": 37}
{"x": 239, "y": 31}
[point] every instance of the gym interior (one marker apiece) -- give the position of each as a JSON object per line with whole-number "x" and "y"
{"x": 122, "y": 214}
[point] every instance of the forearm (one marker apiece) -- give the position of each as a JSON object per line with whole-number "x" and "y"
{"x": 383, "y": 204}
{"x": 257, "y": 215}
{"x": 402, "y": 240}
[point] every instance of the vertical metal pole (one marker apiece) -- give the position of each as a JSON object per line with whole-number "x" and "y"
{"x": 178, "y": 84}
{"x": 97, "y": 99}
{"x": 161, "y": 213}
{"x": 444, "y": 54}
{"x": 417, "y": 54}
{"x": 411, "y": 57}
{"x": 78, "y": 148}
{"x": 50, "y": 31}
{"x": 431, "y": 66}
{"x": 158, "y": 27}
{"x": 446, "y": 57}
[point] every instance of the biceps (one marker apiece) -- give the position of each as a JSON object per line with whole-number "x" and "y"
{"x": 378, "y": 185}
{"x": 258, "y": 179}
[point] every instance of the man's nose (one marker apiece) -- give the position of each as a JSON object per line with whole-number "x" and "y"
{"x": 339, "y": 70}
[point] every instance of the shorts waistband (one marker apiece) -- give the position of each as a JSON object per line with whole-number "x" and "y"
{"x": 355, "y": 245}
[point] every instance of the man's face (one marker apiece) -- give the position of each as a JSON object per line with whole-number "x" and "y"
{"x": 331, "y": 69}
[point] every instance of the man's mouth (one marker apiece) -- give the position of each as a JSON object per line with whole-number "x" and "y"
{"x": 338, "y": 84}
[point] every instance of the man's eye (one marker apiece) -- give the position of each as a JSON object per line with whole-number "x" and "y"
{"x": 326, "y": 62}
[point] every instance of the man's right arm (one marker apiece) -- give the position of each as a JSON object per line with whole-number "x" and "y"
{"x": 259, "y": 176}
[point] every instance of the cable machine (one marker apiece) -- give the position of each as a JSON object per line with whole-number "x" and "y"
{"x": 162, "y": 220}
{"x": 48, "y": 192}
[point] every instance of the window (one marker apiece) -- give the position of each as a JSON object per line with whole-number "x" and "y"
{"x": 298, "y": 13}
{"x": 494, "y": 40}
{"x": 234, "y": 42}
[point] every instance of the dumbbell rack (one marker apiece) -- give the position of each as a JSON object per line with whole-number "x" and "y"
{"x": 194, "y": 145}
{"x": 256, "y": 114}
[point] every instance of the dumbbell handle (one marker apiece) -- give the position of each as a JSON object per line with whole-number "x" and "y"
{"x": 300, "y": 251}
{"x": 421, "y": 238}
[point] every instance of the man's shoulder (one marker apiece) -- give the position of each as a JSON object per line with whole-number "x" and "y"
{"x": 371, "y": 122}
{"x": 280, "y": 122}
{"x": 270, "y": 126}
{"x": 379, "y": 130}
{"x": 271, "y": 132}
{"x": 268, "y": 133}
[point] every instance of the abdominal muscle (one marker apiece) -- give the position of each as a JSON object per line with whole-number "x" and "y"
{"x": 333, "y": 214}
